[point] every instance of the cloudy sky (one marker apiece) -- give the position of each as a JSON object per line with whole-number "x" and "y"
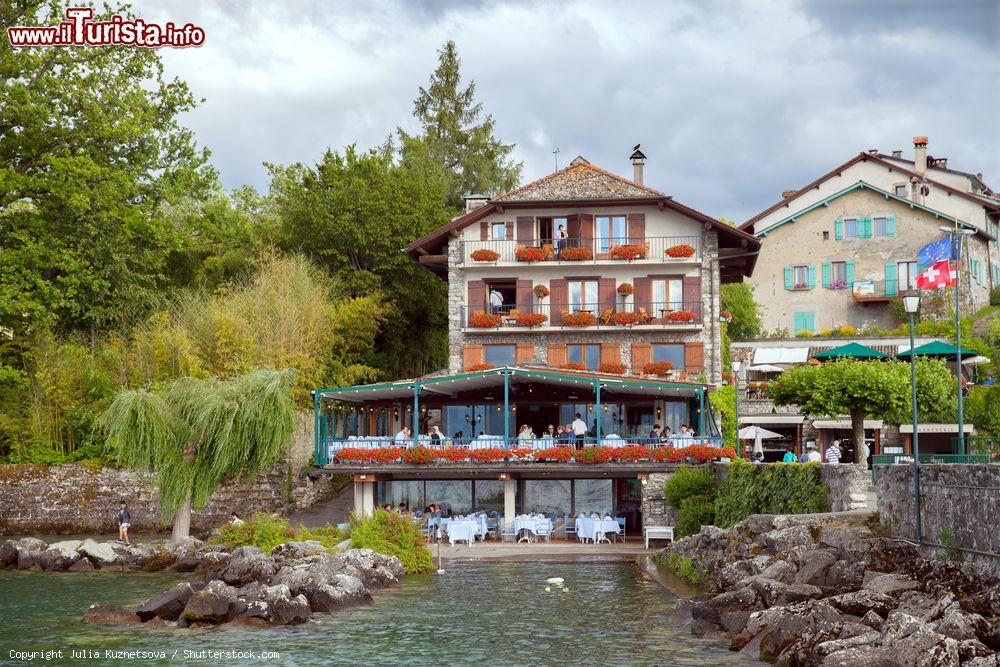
{"x": 732, "y": 101}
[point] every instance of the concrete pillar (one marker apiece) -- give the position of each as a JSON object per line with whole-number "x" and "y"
{"x": 509, "y": 496}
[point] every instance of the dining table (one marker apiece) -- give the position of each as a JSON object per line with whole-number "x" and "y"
{"x": 596, "y": 529}
{"x": 531, "y": 526}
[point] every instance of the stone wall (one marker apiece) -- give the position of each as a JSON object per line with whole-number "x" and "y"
{"x": 962, "y": 498}
{"x": 847, "y": 486}
{"x": 655, "y": 512}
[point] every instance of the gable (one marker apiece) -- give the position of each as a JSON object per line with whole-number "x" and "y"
{"x": 579, "y": 181}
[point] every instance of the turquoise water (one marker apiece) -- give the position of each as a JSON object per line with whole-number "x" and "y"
{"x": 475, "y": 613}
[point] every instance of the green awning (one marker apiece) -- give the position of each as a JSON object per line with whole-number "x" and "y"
{"x": 936, "y": 349}
{"x": 850, "y": 351}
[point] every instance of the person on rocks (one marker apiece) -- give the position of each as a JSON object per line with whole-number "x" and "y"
{"x": 790, "y": 456}
{"x": 833, "y": 453}
{"x": 124, "y": 521}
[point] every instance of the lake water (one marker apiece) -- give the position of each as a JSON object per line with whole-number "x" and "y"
{"x": 475, "y": 613}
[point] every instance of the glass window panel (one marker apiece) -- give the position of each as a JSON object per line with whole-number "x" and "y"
{"x": 838, "y": 273}
{"x": 901, "y": 191}
{"x": 675, "y": 415}
{"x": 879, "y": 226}
{"x": 575, "y": 353}
{"x": 659, "y": 293}
{"x": 455, "y": 495}
{"x": 393, "y": 493}
{"x": 612, "y": 419}
{"x": 587, "y": 355}
{"x": 801, "y": 276}
{"x": 594, "y": 495}
{"x": 548, "y": 496}
{"x": 500, "y": 355}
{"x": 489, "y": 495}
{"x": 499, "y": 230}
{"x": 674, "y": 353}
{"x": 676, "y": 294}
{"x": 494, "y": 421}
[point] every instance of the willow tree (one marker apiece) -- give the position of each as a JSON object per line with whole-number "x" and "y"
{"x": 198, "y": 433}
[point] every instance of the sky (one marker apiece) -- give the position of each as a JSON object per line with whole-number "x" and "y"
{"x": 732, "y": 101}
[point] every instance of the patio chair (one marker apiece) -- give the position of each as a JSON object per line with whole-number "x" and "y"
{"x": 644, "y": 317}
{"x": 543, "y": 531}
{"x": 507, "y": 530}
{"x": 621, "y": 522}
{"x": 492, "y": 525}
{"x": 570, "y": 527}
{"x": 512, "y": 315}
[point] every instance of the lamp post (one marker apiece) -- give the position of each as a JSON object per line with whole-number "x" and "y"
{"x": 911, "y": 302}
{"x": 958, "y": 235}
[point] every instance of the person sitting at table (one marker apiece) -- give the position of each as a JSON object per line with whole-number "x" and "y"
{"x": 436, "y": 435}
{"x": 526, "y": 435}
{"x": 403, "y": 509}
{"x": 459, "y": 435}
{"x": 656, "y": 433}
{"x": 402, "y": 436}
{"x": 567, "y": 434}
{"x": 550, "y": 431}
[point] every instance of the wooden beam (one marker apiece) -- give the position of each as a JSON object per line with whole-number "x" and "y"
{"x": 420, "y": 250}
{"x": 433, "y": 259}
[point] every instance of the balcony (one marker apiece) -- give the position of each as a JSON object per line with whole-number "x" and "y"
{"x": 648, "y": 250}
{"x": 583, "y": 316}
{"x": 879, "y": 291}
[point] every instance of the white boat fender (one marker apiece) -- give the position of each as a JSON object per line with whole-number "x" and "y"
{"x": 554, "y": 580}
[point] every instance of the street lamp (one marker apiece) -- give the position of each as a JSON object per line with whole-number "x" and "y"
{"x": 911, "y": 302}
{"x": 957, "y": 239}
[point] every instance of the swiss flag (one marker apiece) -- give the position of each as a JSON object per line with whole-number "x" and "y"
{"x": 942, "y": 274}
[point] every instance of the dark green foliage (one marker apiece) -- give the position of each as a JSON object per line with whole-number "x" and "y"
{"x": 995, "y": 296}
{"x": 952, "y": 548}
{"x": 738, "y": 299}
{"x": 688, "y": 481}
{"x": 394, "y": 534}
{"x": 695, "y": 512}
{"x": 982, "y": 408}
{"x": 723, "y": 402}
{"x": 774, "y": 488}
{"x": 685, "y": 568}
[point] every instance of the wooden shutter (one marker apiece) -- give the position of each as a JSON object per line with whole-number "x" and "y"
{"x": 509, "y": 229}
{"x": 587, "y": 231}
{"x": 838, "y": 229}
{"x": 484, "y": 230}
{"x": 891, "y": 279}
{"x": 606, "y": 294}
{"x": 850, "y": 273}
{"x": 812, "y": 276}
{"x": 610, "y": 353}
{"x": 826, "y": 274}
{"x": 890, "y": 227}
{"x": 558, "y": 355}
{"x": 558, "y": 298}
{"x": 473, "y": 355}
{"x": 477, "y": 299}
{"x": 572, "y": 228}
{"x": 691, "y": 293}
{"x": 694, "y": 357}
{"x": 523, "y": 296}
{"x": 789, "y": 280}
{"x": 525, "y": 229}
{"x": 636, "y": 227}
{"x": 525, "y": 352}
{"x": 642, "y": 354}
{"x": 643, "y": 294}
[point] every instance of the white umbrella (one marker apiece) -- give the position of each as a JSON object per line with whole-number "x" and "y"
{"x": 757, "y": 434}
{"x": 767, "y": 368}
{"x": 972, "y": 361}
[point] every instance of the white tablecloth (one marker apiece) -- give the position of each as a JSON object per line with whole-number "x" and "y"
{"x": 534, "y": 524}
{"x": 595, "y": 529}
{"x": 461, "y": 531}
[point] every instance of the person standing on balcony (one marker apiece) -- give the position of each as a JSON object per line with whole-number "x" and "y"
{"x": 561, "y": 240}
{"x": 579, "y": 428}
{"x": 496, "y": 299}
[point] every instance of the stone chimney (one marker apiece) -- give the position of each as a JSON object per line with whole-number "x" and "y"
{"x": 897, "y": 154}
{"x": 638, "y": 160}
{"x": 474, "y": 201}
{"x": 920, "y": 156}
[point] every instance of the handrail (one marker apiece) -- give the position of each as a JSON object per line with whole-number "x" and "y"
{"x": 581, "y": 314}
{"x": 576, "y": 250}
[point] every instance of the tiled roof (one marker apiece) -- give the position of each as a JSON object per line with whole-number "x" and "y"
{"x": 580, "y": 180}
{"x": 742, "y": 353}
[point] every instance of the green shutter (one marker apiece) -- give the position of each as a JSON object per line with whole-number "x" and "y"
{"x": 788, "y": 278}
{"x": 812, "y": 276}
{"x": 797, "y": 323}
{"x": 890, "y": 227}
{"x": 850, "y": 273}
{"x": 826, "y": 274}
{"x": 838, "y": 227}
{"x": 864, "y": 228}
{"x": 810, "y": 321}
{"x": 891, "y": 288}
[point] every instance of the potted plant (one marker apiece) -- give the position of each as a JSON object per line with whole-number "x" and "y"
{"x": 626, "y": 318}
{"x": 575, "y": 254}
{"x": 541, "y": 291}
{"x": 612, "y": 368}
{"x": 525, "y": 253}
{"x": 658, "y": 368}
{"x": 530, "y": 319}
{"x": 681, "y": 316}
{"x": 485, "y": 255}
{"x": 625, "y": 289}
{"x": 572, "y": 366}
{"x": 679, "y": 251}
{"x": 581, "y": 318}
{"x": 629, "y": 251}
{"x": 483, "y": 320}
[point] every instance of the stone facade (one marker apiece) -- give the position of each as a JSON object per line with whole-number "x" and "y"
{"x": 962, "y": 498}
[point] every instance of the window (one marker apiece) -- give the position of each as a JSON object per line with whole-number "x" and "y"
{"x": 668, "y": 294}
{"x": 500, "y": 355}
{"x": 850, "y": 228}
{"x": 582, "y": 295}
{"x": 672, "y": 352}
{"x": 906, "y": 274}
{"x": 826, "y": 235}
{"x": 588, "y": 356}
{"x": 838, "y": 275}
{"x": 800, "y": 276}
{"x": 498, "y": 230}
{"x": 900, "y": 190}
{"x": 610, "y": 230}
{"x": 880, "y": 226}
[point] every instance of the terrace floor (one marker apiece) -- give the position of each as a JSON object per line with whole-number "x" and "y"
{"x": 555, "y": 551}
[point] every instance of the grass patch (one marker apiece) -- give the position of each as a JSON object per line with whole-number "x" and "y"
{"x": 685, "y": 568}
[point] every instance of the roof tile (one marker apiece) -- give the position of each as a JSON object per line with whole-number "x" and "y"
{"x": 580, "y": 180}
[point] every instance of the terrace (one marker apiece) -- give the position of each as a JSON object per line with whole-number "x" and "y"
{"x": 577, "y": 250}
{"x": 683, "y": 315}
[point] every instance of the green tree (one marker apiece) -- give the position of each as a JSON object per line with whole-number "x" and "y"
{"x": 90, "y": 148}
{"x": 738, "y": 299}
{"x": 457, "y": 136}
{"x": 198, "y": 433}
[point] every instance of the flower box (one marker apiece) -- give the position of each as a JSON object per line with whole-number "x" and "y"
{"x": 838, "y": 284}
{"x": 578, "y": 319}
{"x": 453, "y": 454}
{"x": 681, "y": 316}
{"x": 480, "y": 367}
{"x": 419, "y": 454}
{"x": 541, "y": 291}
{"x": 484, "y": 320}
{"x": 625, "y": 289}
{"x": 530, "y": 319}
{"x": 658, "y": 368}
{"x": 593, "y": 455}
{"x": 612, "y": 368}
{"x": 629, "y": 251}
{"x": 560, "y": 454}
{"x": 489, "y": 455}
{"x": 485, "y": 255}
{"x": 525, "y": 253}
{"x": 573, "y": 366}
{"x": 679, "y": 251}
{"x": 625, "y": 318}
{"x": 575, "y": 254}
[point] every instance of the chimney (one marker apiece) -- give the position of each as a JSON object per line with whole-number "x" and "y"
{"x": 920, "y": 156}
{"x": 638, "y": 160}
{"x": 941, "y": 162}
{"x": 873, "y": 151}
{"x": 474, "y": 201}
{"x": 897, "y": 154}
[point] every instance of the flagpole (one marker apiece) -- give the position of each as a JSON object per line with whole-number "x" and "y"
{"x": 958, "y": 340}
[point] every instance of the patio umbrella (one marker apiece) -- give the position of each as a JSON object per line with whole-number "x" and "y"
{"x": 767, "y": 368}
{"x": 757, "y": 434}
{"x": 936, "y": 349}
{"x": 976, "y": 360}
{"x": 851, "y": 351}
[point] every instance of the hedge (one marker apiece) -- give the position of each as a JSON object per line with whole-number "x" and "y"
{"x": 773, "y": 488}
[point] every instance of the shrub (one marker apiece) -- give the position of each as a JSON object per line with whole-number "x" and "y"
{"x": 396, "y": 535}
{"x": 686, "y": 482}
{"x": 773, "y": 488}
{"x": 679, "y": 250}
{"x": 804, "y": 333}
{"x": 685, "y": 568}
{"x": 613, "y": 368}
{"x": 483, "y": 320}
{"x": 485, "y": 255}
{"x": 266, "y": 531}
{"x": 695, "y": 512}
{"x": 660, "y": 368}
{"x": 576, "y": 254}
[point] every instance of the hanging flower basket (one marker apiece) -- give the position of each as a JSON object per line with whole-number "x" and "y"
{"x": 530, "y": 319}
{"x": 625, "y": 289}
{"x": 484, "y": 320}
{"x": 576, "y": 254}
{"x": 629, "y": 251}
{"x": 612, "y": 368}
{"x": 681, "y": 316}
{"x": 579, "y": 319}
{"x": 626, "y": 318}
{"x": 679, "y": 251}
{"x": 485, "y": 255}
{"x": 541, "y": 291}
{"x": 658, "y": 368}
{"x": 525, "y": 253}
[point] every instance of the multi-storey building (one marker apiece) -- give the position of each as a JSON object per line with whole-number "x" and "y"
{"x": 840, "y": 249}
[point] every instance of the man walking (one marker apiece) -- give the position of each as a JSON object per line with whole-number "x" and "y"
{"x": 579, "y": 430}
{"x": 833, "y": 453}
{"x": 124, "y": 521}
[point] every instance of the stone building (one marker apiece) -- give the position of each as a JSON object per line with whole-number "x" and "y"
{"x": 839, "y": 250}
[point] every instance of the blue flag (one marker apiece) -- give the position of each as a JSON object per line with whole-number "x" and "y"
{"x": 936, "y": 251}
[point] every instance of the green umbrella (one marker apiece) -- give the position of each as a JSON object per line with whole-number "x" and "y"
{"x": 850, "y": 351}
{"x": 936, "y": 349}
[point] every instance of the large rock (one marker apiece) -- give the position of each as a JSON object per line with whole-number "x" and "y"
{"x": 814, "y": 621}
{"x": 781, "y": 541}
{"x": 82, "y": 565}
{"x": 781, "y": 570}
{"x": 345, "y": 591}
{"x": 845, "y": 576}
{"x": 99, "y": 613}
{"x": 167, "y": 605}
{"x": 859, "y": 603}
{"x": 211, "y": 604}
{"x": 29, "y": 553}
{"x": 916, "y": 643}
{"x": 285, "y": 609}
{"x": 8, "y": 554}
{"x": 248, "y": 564}
{"x": 814, "y": 570}
{"x": 742, "y": 599}
{"x": 960, "y": 625}
{"x": 735, "y": 574}
{"x": 101, "y": 554}
{"x": 58, "y": 558}
{"x": 891, "y": 584}
{"x": 798, "y": 593}
{"x": 296, "y": 550}
{"x": 66, "y": 545}
{"x": 156, "y": 561}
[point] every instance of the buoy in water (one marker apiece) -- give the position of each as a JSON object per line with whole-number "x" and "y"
{"x": 554, "y": 580}
{"x": 548, "y": 589}
{"x": 565, "y": 590}
{"x": 440, "y": 571}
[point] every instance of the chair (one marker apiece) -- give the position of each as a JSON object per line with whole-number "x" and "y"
{"x": 492, "y": 525}
{"x": 512, "y": 315}
{"x": 507, "y": 530}
{"x": 570, "y": 527}
{"x": 621, "y": 522}
{"x": 644, "y": 317}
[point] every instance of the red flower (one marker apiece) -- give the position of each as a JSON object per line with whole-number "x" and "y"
{"x": 593, "y": 455}
{"x": 578, "y": 319}
{"x": 520, "y": 453}
{"x": 490, "y": 455}
{"x": 485, "y": 255}
{"x": 660, "y": 368}
{"x": 573, "y": 366}
{"x": 480, "y": 367}
{"x": 625, "y": 289}
{"x": 530, "y": 319}
{"x": 559, "y": 453}
{"x": 541, "y": 291}
{"x": 680, "y": 250}
{"x": 453, "y": 454}
{"x": 613, "y": 368}
{"x": 419, "y": 454}
{"x": 681, "y": 315}
{"x": 525, "y": 253}
{"x": 629, "y": 251}
{"x": 631, "y": 453}
{"x": 625, "y": 318}
{"x": 483, "y": 320}
{"x": 575, "y": 254}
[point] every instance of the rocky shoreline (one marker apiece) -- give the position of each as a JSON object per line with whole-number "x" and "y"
{"x": 825, "y": 590}
{"x": 245, "y": 585}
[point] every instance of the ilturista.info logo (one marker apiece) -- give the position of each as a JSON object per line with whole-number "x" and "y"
{"x": 79, "y": 29}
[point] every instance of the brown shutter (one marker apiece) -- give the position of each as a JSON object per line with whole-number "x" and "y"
{"x": 636, "y": 227}
{"x": 643, "y": 295}
{"x": 525, "y": 352}
{"x": 484, "y": 230}
{"x": 473, "y": 355}
{"x": 509, "y": 229}
{"x": 606, "y": 295}
{"x": 610, "y": 353}
{"x": 642, "y": 354}
{"x": 558, "y": 355}
{"x": 692, "y": 295}
{"x": 523, "y": 296}
{"x": 525, "y": 230}
{"x": 572, "y": 228}
{"x": 558, "y": 297}
{"x": 694, "y": 357}
{"x": 587, "y": 231}
{"x": 477, "y": 300}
